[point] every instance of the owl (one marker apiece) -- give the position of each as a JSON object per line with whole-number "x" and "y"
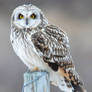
{"x": 43, "y": 46}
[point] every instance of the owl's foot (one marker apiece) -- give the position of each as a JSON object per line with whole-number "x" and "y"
{"x": 35, "y": 69}
{"x": 54, "y": 83}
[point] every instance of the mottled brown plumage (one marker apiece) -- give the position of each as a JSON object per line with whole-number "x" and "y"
{"x": 54, "y": 47}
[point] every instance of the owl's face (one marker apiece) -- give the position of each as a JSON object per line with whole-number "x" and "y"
{"x": 27, "y": 16}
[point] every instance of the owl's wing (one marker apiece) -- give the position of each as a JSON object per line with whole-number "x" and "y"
{"x": 52, "y": 45}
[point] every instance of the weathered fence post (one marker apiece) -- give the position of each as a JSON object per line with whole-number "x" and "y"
{"x": 36, "y": 82}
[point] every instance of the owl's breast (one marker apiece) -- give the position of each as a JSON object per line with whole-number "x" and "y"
{"x": 28, "y": 55}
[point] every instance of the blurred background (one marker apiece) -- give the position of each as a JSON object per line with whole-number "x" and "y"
{"x": 73, "y": 16}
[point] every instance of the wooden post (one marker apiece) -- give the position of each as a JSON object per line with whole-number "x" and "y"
{"x": 36, "y": 82}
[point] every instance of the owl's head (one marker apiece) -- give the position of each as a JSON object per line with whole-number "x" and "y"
{"x": 27, "y": 16}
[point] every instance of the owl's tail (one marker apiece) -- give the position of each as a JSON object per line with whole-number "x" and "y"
{"x": 73, "y": 83}
{"x": 75, "y": 88}
{"x": 79, "y": 88}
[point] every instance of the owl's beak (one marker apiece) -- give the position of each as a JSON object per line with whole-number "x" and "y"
{"x": 26, "y": 21}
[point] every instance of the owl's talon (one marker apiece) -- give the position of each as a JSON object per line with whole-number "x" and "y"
{"x": 35, "y": 69}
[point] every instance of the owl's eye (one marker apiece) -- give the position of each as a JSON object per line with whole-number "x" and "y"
{"x": 33, "y": 16}
{"x": 20, "y": 16}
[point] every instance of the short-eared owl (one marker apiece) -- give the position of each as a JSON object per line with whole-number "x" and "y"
{"x": 43, "y": 46}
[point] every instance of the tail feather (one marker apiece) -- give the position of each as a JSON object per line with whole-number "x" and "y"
{"x": 71, "y": 79}
{"x": 78, "y": 88}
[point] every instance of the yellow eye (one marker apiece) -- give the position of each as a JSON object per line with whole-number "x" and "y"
{"x": 33, "y": 16}
{"x": 20, "y": 16}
